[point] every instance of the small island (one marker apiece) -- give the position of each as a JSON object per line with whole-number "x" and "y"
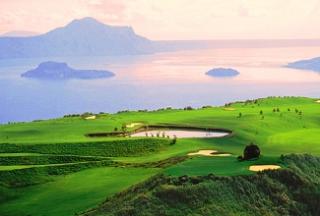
{"x": 61, "y": 71}
{"x": 308, "y": 64}
{"x": 222, "y": 72}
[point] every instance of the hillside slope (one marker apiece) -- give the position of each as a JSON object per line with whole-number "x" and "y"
{"x": 292, "y": 191}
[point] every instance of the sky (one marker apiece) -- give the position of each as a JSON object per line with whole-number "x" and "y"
{"x": 173, "y": 19}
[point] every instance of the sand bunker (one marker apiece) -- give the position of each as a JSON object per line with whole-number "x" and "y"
{"x": 210, "y": 153}
{"x": 221, "y": 155}
{"x": 318, "y": 101}
{"x": 203, "y": 152}
{"x": 257, "y": 168}
{"x": 229, "y": 109}
{"x": 133, "y": 125}
{"x": 90, "y": 117}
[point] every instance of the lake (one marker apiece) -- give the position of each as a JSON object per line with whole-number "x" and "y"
{"x": 175, "y": 79}
{"x": 180, "y": 133}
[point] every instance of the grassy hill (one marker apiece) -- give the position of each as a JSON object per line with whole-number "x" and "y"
{"x": 52, "y": 167}
{"x": 291, "y": 191}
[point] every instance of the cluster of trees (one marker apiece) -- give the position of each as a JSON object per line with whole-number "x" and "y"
{"x": 71, "y": 115}
{"x": 261, "y": 113}
{"x": 188, "y": 108}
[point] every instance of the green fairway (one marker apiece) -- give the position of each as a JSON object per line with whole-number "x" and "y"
{"x": 220, "y": 166}
{"x": 73, "y": 193}
{"x": 53, "y": 167}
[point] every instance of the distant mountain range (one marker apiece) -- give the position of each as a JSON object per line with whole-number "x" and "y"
{"x": 61, "y": 71}
{"x": 308, "y": 64}
{"x": 84, "y": 37}
{"x": 89, "y": 37}
{"x": 19, "y": 34}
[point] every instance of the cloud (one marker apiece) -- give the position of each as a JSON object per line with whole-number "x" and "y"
{"x": 172, "y": 19}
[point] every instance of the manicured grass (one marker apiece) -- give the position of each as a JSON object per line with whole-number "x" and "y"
{"x": 73, "y": 193}
{"x": 14, "y": 167}
{"x": 18, "y": 154}
{"x": 220, "y": 166}
{"x": 277, "y": 125}
{"x": 274, "y": 129}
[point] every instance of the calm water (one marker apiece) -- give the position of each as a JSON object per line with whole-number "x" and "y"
{"x": 174, "y": 79}
{"x": 181, "y": 133}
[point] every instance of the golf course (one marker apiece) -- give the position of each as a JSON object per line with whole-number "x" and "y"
{"x": 166, "y": 162}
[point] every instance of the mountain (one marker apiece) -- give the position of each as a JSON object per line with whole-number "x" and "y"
{"x": 222, "y": 72}
{"x": 84, "y": 37}
{"x": 19, "y": 34}
{"x": 309, "y": 64}
{"x": 61, "y": 71}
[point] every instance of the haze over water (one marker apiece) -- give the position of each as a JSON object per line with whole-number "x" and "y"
{"x": 175, "y": 79}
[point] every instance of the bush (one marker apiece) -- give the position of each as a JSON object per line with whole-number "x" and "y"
{"x": 251, "y": 151}
{"x": 174, "y": 140}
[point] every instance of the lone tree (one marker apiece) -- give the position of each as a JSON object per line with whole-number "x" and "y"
{"x": 251, "y": 151}
{"x": 174, "y": 140}
{"x": 124, "y": 129}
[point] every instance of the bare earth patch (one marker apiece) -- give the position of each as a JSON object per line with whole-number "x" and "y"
{"x": 210, "y": 153}
{"x": 257, "y": 168}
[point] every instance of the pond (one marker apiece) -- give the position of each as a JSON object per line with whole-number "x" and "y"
{"x": 181, "y": 133}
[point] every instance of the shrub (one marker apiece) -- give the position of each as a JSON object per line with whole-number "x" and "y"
{"x": 251, "y": 151}
{"x": 174, "y": 140}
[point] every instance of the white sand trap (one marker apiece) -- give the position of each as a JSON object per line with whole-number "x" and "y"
{"x": 90, "y": 117}
{"x": 210, "y": 153}
{"x": 318, "y": 101}
{"x": 203, "y": 152}
{"x": 257, "y": 168}
{"x": 221, "y": 155}
{"x": 133, "y": 125}
{"x": 229, "y": 109}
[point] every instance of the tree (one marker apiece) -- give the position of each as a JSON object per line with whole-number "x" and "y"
{"x": 251, "y": 151}
{"x": 124, "y": 128}
{"x": 174, "y": 140}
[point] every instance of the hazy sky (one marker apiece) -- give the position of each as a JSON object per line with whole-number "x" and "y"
{"x": 173, "y": 19}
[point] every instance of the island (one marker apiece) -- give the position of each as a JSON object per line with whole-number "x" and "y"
{"x": 222, "y": 72}
{"x": 308, "y": 64}
{"x": 61, "y": 71}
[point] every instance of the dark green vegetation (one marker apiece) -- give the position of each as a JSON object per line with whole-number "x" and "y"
{"x": 251, "y": 151}
{"x": 120, "y": 147}
{"x": 53, "y": 168}
{"x": 291, "y": 191}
